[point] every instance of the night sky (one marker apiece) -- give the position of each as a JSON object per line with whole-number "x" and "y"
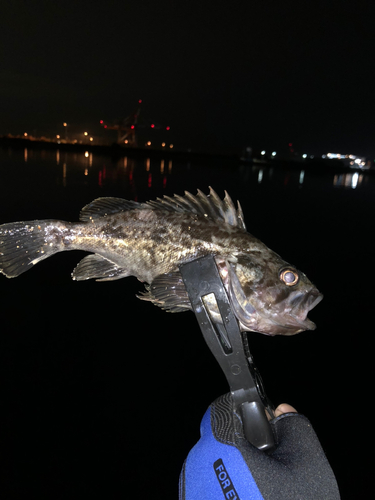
{"x": 223, "y": 75}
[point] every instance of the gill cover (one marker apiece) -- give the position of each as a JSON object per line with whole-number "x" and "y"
{"x": 242, "y": 307}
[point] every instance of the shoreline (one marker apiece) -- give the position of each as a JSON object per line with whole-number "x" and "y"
{"x": 318, "y": 165}
{"x": 113, "y": 150}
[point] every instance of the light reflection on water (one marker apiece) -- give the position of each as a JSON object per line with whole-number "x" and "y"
{"x": 348, "y": 180}
{"x": 139, "y": 174}
{"x": 103, "y": 170}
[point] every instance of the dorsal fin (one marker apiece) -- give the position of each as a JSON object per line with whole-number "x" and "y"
{"x": 208, "y": 205}
{"x": 102, "y": 207}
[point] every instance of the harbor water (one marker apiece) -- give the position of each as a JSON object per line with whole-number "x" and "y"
{"x": 103, "y": 392}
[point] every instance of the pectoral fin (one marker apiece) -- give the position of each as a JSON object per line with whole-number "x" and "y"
{"x": 168, "y": 292}
{"x": 95, "y": 266}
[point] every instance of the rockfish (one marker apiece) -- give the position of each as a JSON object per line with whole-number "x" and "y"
{"x": 150, "y": 240}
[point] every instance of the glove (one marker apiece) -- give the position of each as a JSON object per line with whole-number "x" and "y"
{"x": 224, "y": 465}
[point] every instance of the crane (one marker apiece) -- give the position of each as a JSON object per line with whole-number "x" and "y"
{"x": 127, "y": 128}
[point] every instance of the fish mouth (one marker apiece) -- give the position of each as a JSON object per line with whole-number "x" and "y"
{"x": 301, "y": 304}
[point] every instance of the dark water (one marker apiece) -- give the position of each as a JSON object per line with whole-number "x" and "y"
{"x": 101, "y": 392}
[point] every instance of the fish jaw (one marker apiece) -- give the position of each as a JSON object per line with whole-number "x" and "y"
{"x": 296, "y": 320}
{"x": 306, "y": 303}
{"x": 287, "y": 324}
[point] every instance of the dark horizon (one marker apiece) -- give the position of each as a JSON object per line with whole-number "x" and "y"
{"x": 224, "y": 78}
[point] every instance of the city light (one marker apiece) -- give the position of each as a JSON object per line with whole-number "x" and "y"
{"x": 263, "y": 152}
{"x": 273, "y": 153}
{"x": 351, "y": 160}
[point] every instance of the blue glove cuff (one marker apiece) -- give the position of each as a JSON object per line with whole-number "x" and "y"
{"x": 214, "y": 470}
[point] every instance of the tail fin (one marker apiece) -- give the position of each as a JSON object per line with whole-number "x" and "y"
{"x": 23, "y": 244}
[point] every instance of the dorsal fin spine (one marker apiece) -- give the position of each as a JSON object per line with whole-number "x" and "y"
{"x": 208, "y": 205}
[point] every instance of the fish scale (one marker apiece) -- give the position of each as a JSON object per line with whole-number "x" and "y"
{"x": 150, "y": 240}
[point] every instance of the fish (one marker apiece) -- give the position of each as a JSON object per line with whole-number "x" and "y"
{"x": 149, "y": 240}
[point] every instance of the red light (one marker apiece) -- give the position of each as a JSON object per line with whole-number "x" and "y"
{"x": 101, "y": 122}
{"x": 290, "y": 144}
{"x": 105, "y": 126}
{"x": 152, "y": 125}
{"x": 140, "y": 101}
{"x": 168, "y": 128}
{"x": 132, "y": 127}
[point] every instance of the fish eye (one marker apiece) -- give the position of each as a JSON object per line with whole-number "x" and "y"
{"x": 289, "y": 276}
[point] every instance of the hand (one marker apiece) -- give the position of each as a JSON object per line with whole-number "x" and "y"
{"x": 284, "y": 408}
{"x": 224, "y": 465}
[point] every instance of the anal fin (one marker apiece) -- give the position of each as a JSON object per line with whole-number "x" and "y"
{"x": 95, "y": 266}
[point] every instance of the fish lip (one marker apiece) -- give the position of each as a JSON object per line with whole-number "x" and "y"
{"x": 297, "y": 321}
{"x": 302, "y": 325}
{"x": 311, "y": 300}
{"x": 300, "y": 311}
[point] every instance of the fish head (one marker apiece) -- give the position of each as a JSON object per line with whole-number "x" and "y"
{"x": 270, "y": 296}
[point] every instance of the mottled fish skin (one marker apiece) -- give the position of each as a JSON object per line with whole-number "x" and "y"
{"x": 150, "y": 240}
